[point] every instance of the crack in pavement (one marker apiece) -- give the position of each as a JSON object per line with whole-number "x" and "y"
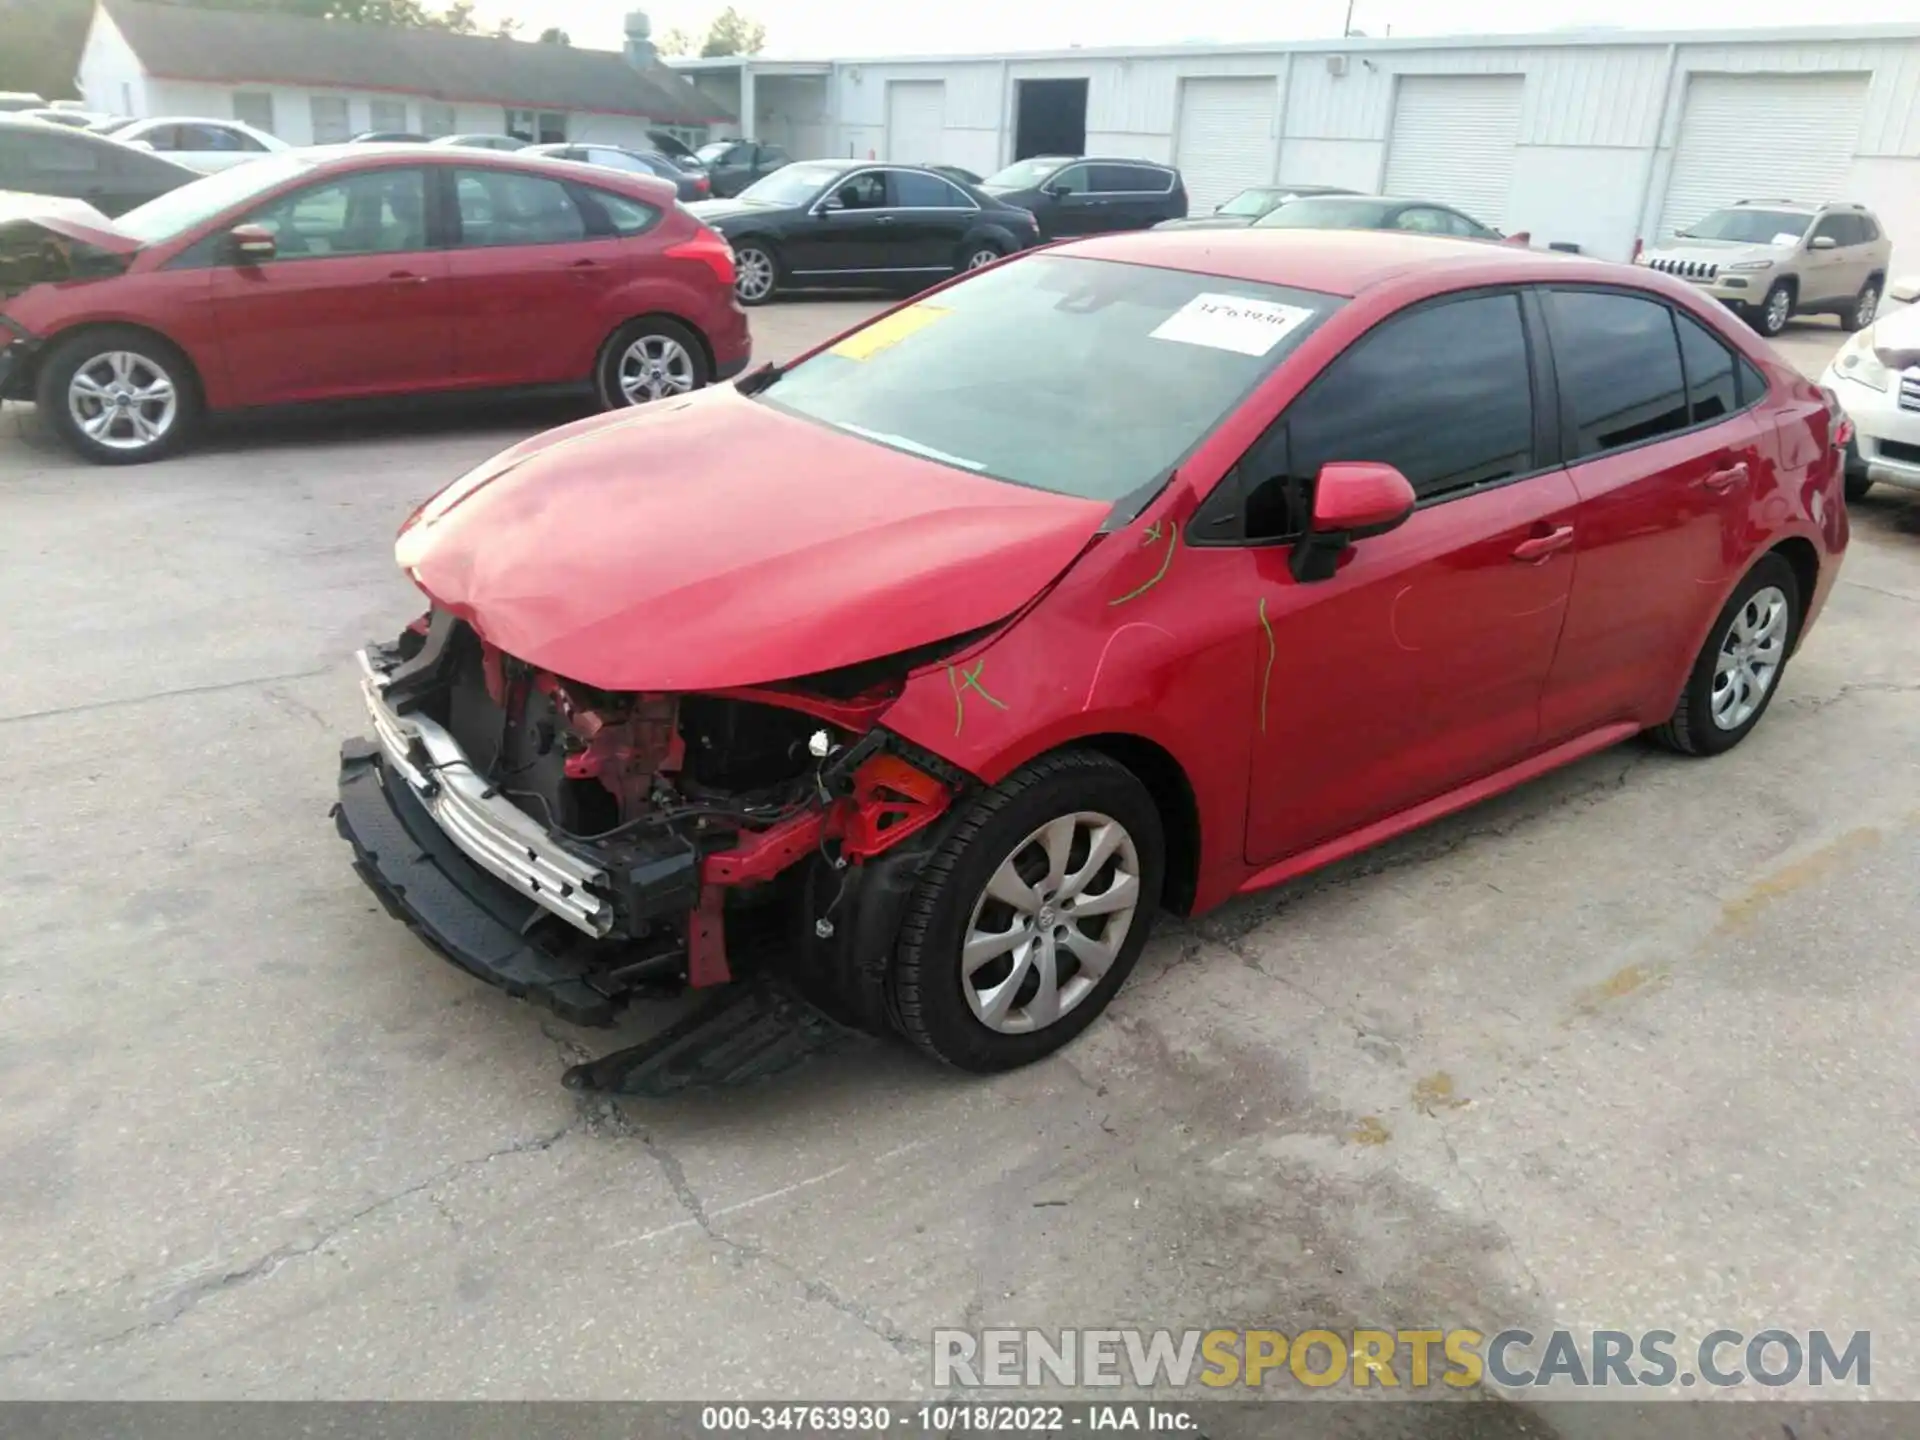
{"x": 1817, "y": 703}
{"x": 184, "y": 1299}
{"x": 213, "y": 689}
{"x": 1486, "y": 1209}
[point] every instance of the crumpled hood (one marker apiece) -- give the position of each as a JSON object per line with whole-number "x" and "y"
{"x": 715, "y": 541}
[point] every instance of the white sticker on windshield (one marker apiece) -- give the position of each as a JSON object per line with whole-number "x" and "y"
{"x": 1232, "y": 322}
{"x": 1785, "y": 237}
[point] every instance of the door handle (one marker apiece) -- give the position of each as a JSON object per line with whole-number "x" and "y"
{"x": 1536, "y": 548}
{"x": 407, "y": 277}
{"x": 1721, "y": 481}
{"x": 886, "y": 219}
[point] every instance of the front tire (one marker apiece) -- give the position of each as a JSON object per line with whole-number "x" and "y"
{"x": 119, "y": 396}
{"x": 1738, "y": 670}
{"x": 756, "y": 272}
{"x": 1866, "y": 306}
{"x": 649, "y": 359}
{"x": 978, "y": 255}
{"x": 1775, "y": 311}
{"x": 1028, "y": 919}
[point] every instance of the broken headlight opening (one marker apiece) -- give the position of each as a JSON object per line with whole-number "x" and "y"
{"x": 582, "y": 848}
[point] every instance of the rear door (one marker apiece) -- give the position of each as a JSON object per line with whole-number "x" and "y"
{"x": 532, "y": 279}
{"x": 931, "y": 220}
{"x": 1666, "y": 459}
{"x": 353, "y": 303}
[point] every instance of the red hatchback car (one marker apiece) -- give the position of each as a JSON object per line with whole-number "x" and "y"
{"x": 356, "y": 272}
{"x": 1144, "y": 571}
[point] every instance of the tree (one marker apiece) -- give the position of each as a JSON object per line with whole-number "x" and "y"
{"x": 735, "y": 34}
{"x": 554, "y": 35}
{"x": 674, "y": 41}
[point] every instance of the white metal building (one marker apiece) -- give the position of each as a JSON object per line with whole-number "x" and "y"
{"x": 1594, "y": 139}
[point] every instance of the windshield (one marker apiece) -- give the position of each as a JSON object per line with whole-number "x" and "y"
{"x": 1750, "y": 227}
{"x": 1083, "y": 377}
{"x": 1249, "y": 202}
{"x": 178, "y": 211}
{"x": 1022, "y": 175}
{"x": 1313, "y": 214}
{"x": 791, "y": 184}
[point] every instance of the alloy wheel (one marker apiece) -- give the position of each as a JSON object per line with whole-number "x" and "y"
{"x": 753, "y": 274}
{"x": 981, "y": 258}
{"x": 1866, "y": 307}
{"x": 1749, "y": 659}
{"x": 1050, "y": 923}
{"x": 654, "y": 367}
{"x": 1779, "y": 310}
{"x": 123, "y": 400}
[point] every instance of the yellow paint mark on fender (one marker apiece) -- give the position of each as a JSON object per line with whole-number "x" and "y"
{"x": 888, "y": 331}
{"x": 1266, "y": 675}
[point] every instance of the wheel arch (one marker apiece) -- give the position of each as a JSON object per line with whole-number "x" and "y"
{"x": 700, "y": 336}
{"x": 1167, "y": 784}
{"x": 1804, "y": 560}
{"x": 59, "y": 339}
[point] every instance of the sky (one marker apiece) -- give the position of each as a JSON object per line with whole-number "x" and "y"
{"x": 837, "y": 29}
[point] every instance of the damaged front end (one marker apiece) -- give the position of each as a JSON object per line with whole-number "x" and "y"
{"x": 582, "y": 848}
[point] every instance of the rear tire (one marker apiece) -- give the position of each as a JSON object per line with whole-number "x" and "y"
{"x": 119, "y": 396}
{"x": 653, "y": 358}
{"x": 1022, "y": 1001}
{"x": 978, "y": 255}
{"x": 1739, "y": 669}
{"x": 1866, "y": 306}
{"x": 756, "y": 272}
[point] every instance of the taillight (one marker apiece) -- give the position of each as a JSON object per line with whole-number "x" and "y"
{"x": 702, "y": 184}
{"x": 709, "y": 248}
{"x": 1842, "y": 425}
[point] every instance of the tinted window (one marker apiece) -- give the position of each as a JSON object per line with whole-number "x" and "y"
{"x": 925, "y": 192}
{"x": 503, "y": 207}
{"x": 1753, "y": 385}
{"x": 1074, "y": 179}
{"x": 1619, "y": 368}
{"x": 372, "y": 212}
{"x": 1444, "y": 394}
{"x": 1128, "y": 178}
{"x": 1711, "y": 391}
{"x": 1083, "y": 377}
{"x": 612, "y": 214}
{"x": 866, "y": 191}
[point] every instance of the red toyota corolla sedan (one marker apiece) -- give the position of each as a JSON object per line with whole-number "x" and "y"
{"x": 356, "y": 272}
{"x": 1145, "y": 571}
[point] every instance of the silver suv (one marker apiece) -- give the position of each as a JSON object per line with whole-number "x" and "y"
{"x": 1774, "y": 259}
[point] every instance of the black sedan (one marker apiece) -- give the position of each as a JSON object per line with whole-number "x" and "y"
{"x": 41, "y": 159}
{"x": 1375, "y": 212}
{"x": 1075, "y": 195}
{"x": 1249, "y": 205}
{"x": 852, "y": 222}
{"x": 691, "y": 185}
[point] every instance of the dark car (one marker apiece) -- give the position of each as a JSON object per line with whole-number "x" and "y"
{"x": 391, "y": 137}
{"x": 1375, "y": 212}
{"x": 689, "y": 184}
{"x": 1075, "y": 195}
{"x": 676, "y": 150}
{"x": 955, "y": 172}
{"x": 733, "y": 165}
{"x": 40, "y": 159}
{"x": 357, "y": 272}
{"x": 1249, "y": 205}
{"x": 852, "y": 222}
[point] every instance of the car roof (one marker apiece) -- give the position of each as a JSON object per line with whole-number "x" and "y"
{"x": 1344, "y": 262}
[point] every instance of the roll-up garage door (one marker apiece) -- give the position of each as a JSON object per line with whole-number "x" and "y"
{"x": 1453, "y": 141}
{"x": 916, "y": 121}
{"x": 1762, "y": 137}
{"x": 1226, "y": 140}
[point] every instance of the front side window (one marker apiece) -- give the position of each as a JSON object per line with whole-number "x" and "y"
{"x": 1750, "y": 227}
{"x": 1074, "y": 180}
{"x": 1424, "y": 221}
{"x": 1082, "y": 377}
{"x": 1444, "y": 394}
{"x": 255, "y": 108}
{"x": 371, "y": 212}
{"x": 331, "y": 122}
{"x": 914, "y": 191}
{"x": 505, "y": 207}
{"x": 173, "y": 214}
{"x": 862, "y": 192}
{"x": 1618, "y": 360}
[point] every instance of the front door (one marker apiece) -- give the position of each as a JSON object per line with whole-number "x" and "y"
{"x": 1419, "y": 666}
{"x": 850, "y": 231}
{"x": 354, "y": 301}
{"x": 1074, "y": 208}
{"x": 1667, "y": 460}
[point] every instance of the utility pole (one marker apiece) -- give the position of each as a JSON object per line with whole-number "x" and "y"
{"x": 1348, "y": 28}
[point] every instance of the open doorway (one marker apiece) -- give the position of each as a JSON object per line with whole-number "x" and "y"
{"x": 1050, "y": 118}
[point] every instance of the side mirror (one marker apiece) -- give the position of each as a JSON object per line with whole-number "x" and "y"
{"x": 1352, "y": 500}
{"x": 1906, "y": 289}
{"x": 833, "y": 202}
{"x": 1823, "y": 242}
{"x": 252, "y": 243}
{"x": 1058, "y": 192}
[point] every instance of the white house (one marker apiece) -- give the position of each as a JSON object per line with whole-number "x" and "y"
{"x": 1595, "y": 139}
{"x": 315, "y": 81}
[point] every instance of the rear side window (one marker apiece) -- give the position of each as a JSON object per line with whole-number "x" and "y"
{"x": 1126, "y": 179}
{"x": 1443, "y": 394}
{"x": 1619, "y": 366}
{"x": 1712, "y": 391}
{"x": 505, "y": 207}
{"x": 915, "y": 191}
{"x": 611, "y": 214}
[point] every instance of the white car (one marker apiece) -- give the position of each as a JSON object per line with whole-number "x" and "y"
{"x": 1877, "y": 377}
{"x": 205, "y": 145}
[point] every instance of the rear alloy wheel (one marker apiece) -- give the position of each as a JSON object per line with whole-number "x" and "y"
{"x": 648, "y": 360}
{"x": 1775, "y": 310}
{"x": 755, "y": 276}
{"x": 978, "y": 257}
{"x": 1029, "y": 918}
{"x": 1738, "y": 671}
{"x": 1866, "y": 305}
{"x": 118, "y": 396}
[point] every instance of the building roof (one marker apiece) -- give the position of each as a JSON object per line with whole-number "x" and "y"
{"x": 178, "y": 42}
